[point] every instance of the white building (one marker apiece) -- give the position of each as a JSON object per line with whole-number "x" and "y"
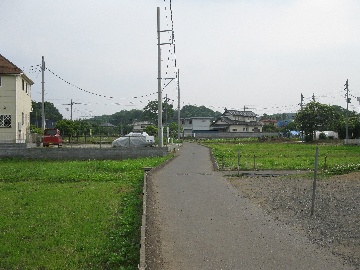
{"x": 195, "y": 125}
{"x": 15, "y": 103}
{"x": 139, "y": 127}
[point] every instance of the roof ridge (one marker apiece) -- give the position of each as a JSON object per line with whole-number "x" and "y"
{"x": 6, "y": 66}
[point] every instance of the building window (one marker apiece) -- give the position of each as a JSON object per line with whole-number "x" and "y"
{"x": 5, "y": 120}
{"x": 0, "y": 81}
{"x": 190, "y": 122}
{"x": 23, "y": 85}
{"x": 234, "y": 129}
{"x": 26, "y": 88}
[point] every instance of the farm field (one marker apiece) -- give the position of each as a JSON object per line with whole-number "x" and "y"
{"x": 287, "y": 199}
{"x": 71, "y": 214}
{"x": 254, "y": 155}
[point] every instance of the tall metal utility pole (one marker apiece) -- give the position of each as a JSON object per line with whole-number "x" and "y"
{"x": 178, "y": 104}
{"x": 42, "y": 94}
{"x": 160, "y": 127}
{"x": 347, "y": 110}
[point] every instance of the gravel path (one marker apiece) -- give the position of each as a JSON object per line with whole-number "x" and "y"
{"x": 336, "y": 221}
{"x": 198, "y": 220}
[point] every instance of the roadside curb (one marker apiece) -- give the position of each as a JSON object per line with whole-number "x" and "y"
{"x": 147, "y": 174}
{"x": 142, "y": 264}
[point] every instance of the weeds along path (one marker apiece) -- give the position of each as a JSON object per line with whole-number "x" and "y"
{"x": 197, "y": 220}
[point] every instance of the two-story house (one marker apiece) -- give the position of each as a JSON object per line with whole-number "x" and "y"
{"x": 237, "y": 121}
{"x": 15, "y": 103}
{"x": 195, "y": 125}
{"x": 138, "y": 127}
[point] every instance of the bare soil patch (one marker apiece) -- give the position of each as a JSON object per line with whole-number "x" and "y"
{"x": 335, "y": 224}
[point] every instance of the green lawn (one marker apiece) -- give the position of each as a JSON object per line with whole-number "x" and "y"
{"x": 284, "y": 155}
{"x": 71, "y": 215}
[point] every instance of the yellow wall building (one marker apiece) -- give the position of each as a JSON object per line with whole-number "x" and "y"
{"x": 15, "y": 103}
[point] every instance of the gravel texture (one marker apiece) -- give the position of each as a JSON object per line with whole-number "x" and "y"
{"x": 335, "y": 224}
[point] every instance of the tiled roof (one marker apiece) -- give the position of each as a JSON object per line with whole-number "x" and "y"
{"x": 241, "y": 113}
{"x": 229, "y": 121}
{"x": 7, "y": 67}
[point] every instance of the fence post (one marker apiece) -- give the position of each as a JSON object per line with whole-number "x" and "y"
{"x": 325, "y": 163}
{"x": 222, "y": 165}
{"x": 314, "y": 183}
{"x": 143, "y": 221}
{"x": 238, "y": 167}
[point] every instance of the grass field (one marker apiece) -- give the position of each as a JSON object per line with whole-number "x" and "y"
{"x": 71, "y": 215}
{"x": 284, "y": 155}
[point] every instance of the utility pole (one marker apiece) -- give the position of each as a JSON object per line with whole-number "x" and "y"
{"x": 347, "y": 110}
{"x": 166, "y": 109}
{"x": 178, "y": 104}
{"x": 301, "y": 106}
{"x": 160, "y": 127}
{"x": 71, "y": 108}
{"x": 42, "y": 94}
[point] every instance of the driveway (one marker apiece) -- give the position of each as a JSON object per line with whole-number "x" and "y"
{"x": 197, "y": 220}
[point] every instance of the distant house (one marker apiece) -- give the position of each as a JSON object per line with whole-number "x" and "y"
{"x": 15, "y": 103}
{"x": 271, "y": 122}
{"x": 237, "y": 121}
{"x": 140, "y": 126}
{"x": 195, "y": 125}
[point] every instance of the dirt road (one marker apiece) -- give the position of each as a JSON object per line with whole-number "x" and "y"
{"x": 198, "y": 220}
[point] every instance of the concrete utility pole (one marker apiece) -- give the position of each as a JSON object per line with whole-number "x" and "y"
{"x": 71, "y": 108}
{"x": 178, "y": 104}
{"x": 301, "y": 106}
{"x": 160, "y": 127}
{"x": 347, "y": 110}
{"x": 42, "y": 94}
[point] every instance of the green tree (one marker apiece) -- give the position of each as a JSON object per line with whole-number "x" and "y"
{"x": 270, "y": 128}
{"x": 316, "y": 116}
{"x": 353, "y": 125}
{"x": 194, "y": 111}
{"x": 151, "y": 111}
{"x": 51, "y": 112}
{"x": 66, "y": 127}
{"x": 126, "y": 117}
{"x": 151, "y": 130}
{"x": 173, "y": 130}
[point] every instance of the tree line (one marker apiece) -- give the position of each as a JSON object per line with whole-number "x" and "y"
{"x": 122, "y": 121}
{"x": 314, "y": 116}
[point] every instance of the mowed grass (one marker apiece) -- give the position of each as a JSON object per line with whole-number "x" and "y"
{"x": 71, "y": 215}
{"x": 283, "y": 155}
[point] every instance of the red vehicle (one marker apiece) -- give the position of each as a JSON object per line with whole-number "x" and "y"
{"x": 52, "y": 137}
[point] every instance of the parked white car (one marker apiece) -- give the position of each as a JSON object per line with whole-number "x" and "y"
{"x": 134, "y": 140}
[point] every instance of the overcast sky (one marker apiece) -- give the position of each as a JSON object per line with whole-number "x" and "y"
{"x": 261, "y": 54}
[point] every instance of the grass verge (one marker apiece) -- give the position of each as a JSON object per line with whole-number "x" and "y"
{"x": 71, "y": 215}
